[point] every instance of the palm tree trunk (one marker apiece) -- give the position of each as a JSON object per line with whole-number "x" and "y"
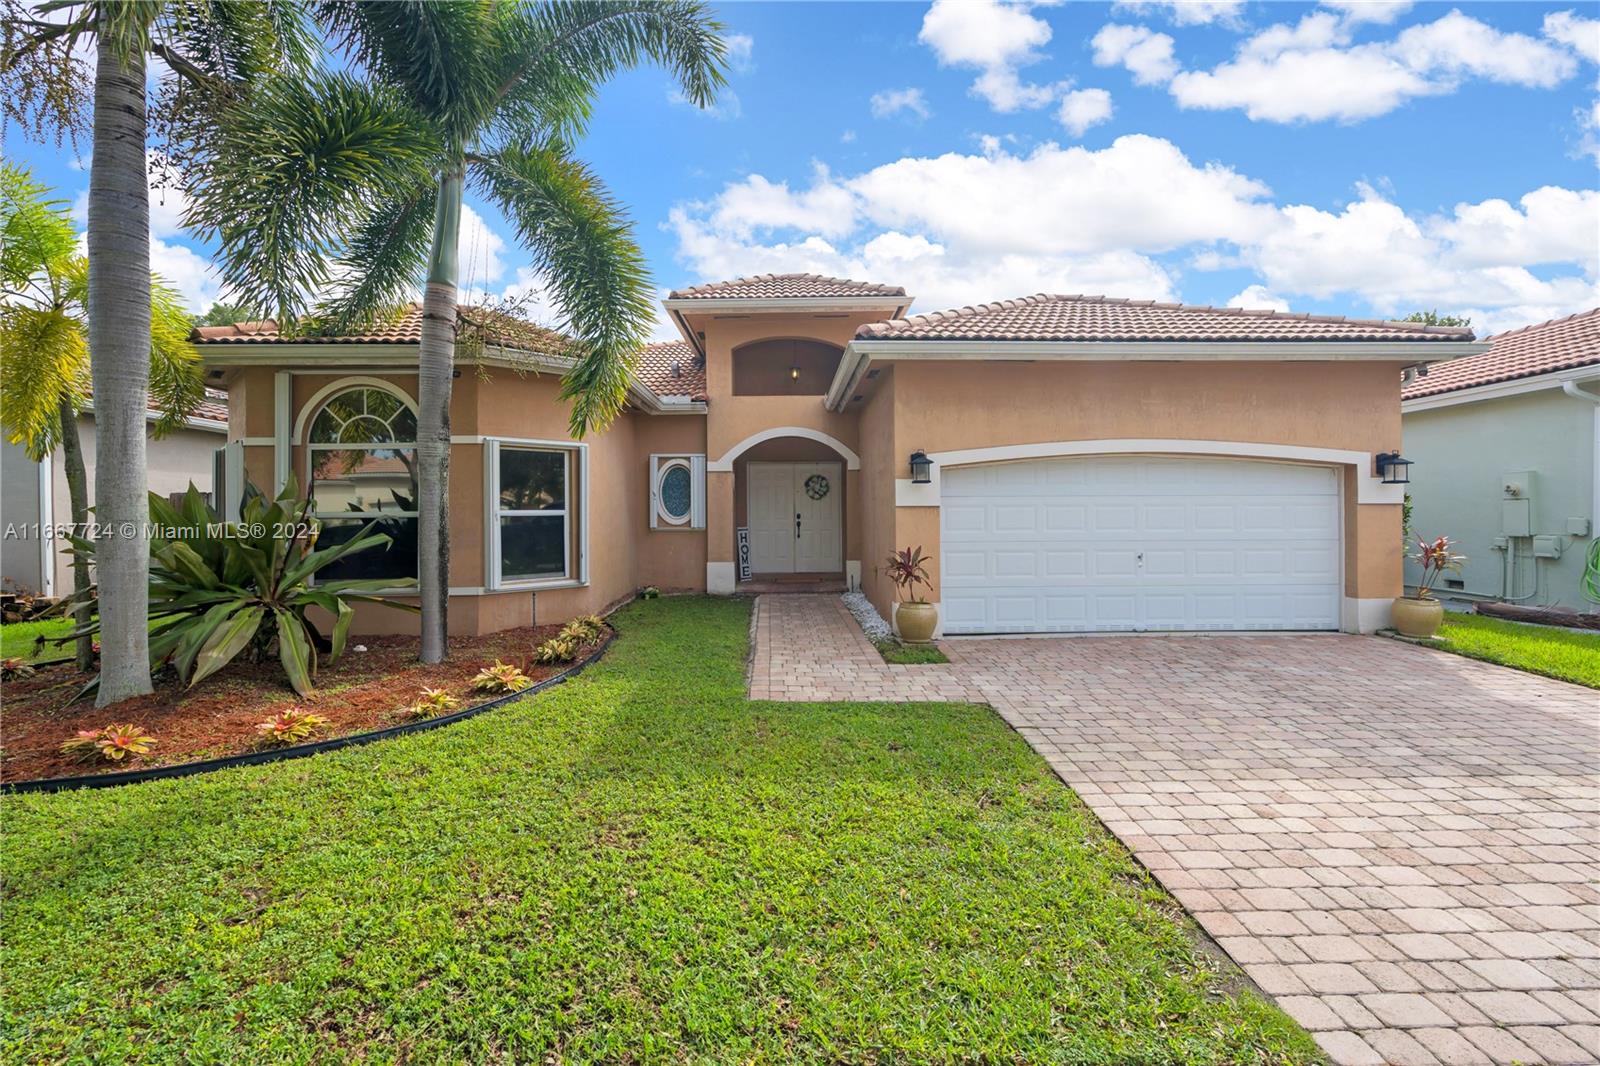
{"x": 119, "y": 361}
{"x": 78, "y": 504}
{"x": 435, "y": 369}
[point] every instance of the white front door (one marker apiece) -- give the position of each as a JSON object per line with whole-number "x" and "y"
{"x": 1139, "y": 543}
{"x": 793, "y": 511}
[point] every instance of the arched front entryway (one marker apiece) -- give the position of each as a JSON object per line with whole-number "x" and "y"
{"x": 793, "y": 503}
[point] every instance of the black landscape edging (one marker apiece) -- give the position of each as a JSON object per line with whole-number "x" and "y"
{"x": 299, "y": 751}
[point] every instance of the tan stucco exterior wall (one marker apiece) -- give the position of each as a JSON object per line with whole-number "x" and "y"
{"x": 622, "y": 551}
{"x": 1348, "y": 406}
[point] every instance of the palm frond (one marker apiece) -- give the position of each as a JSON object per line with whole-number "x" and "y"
{"x": 303, "y": 162}
{"x": 44, "y": 356}
{"x": 177, "y": 380}
{"x": 432, "y": 50}
{"x": 36, "y": 231}
{"x": 381, "y": 264}
{"x": 582, "y": 243}
{"x": 554, "y": 56}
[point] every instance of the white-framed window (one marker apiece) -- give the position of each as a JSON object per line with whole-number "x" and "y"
{"x": 677, "y": 492}
{"x": 537, "y": 494}
{"x": 362, "y": 459}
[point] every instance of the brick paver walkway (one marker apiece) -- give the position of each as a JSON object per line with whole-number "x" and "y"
{"x": 1402, "y": 846}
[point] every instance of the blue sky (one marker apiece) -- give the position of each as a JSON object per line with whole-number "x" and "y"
{"x": 1363, "y": 159}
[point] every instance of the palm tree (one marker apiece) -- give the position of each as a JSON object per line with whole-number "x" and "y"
{"x": 44, "y": 349}
{"x": 212, "y": 48}
{"x": 354, "y": 186}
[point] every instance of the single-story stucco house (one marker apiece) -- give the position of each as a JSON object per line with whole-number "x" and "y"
{"x": 1096, "y": 464}
{"x": 34, "y": 495}
{"x": 1507, "y": 446}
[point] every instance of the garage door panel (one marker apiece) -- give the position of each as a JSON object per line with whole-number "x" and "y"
{"x": 1137, "y": 542}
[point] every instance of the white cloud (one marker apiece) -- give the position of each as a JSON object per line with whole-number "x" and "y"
{"x": 741, "y": 47}
{"x": 847, "y": 137}
{"x": 959, "y": 228}
{"x": 891, "y": 102}
{"x": 1146, "y": 54}
{"x": 479, "y": 250}
{"x": 187, "y": 271}
{"x": 1189, "y": 12}
{"x": 727, "y": 105}
{"x": 1376, "y": 11}
{"x": 1576, "y": 32}
{"x": 1257, "y": 298}
{"x": 1311, "y": 71}
{"x": 1083, "y": 108}
{"x": 996, "y": 38}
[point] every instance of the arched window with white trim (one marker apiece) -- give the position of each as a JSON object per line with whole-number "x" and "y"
{"x": 362, "y": 448}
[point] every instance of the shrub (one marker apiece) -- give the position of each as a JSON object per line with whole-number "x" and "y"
{"x": 584, "y": 631}
{"x": 434, "y": 702}
{"x": 501, "y": 677}
{"x": 649, "y": 592}
{"x": 290, "y": 727}
{"x": 558, "y": 649}
{"x": 114, "y": 743}
{"x": 15, "y": 669}
{"x": 218, "y": 588}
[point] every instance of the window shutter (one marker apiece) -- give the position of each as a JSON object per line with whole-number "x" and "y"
{"x": 697, "y": 505}
{"x": 655, "y": 492}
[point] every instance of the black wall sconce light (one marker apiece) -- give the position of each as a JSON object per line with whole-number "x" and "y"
{"x": 921, "y": 468}
{"x": 1393, "y": 468}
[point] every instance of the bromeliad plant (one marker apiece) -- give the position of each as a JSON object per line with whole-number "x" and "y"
{"x": 434, "y": 702}
{"x": 113, "y": 743}
{"x": 219, "y": 588}
{"x": 501, "y": 677}
{"x": 1436, "y": 558}
{"x": 290, "y": 727}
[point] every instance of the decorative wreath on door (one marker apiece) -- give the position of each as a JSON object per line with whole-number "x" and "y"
{"x": 816, "y": 486}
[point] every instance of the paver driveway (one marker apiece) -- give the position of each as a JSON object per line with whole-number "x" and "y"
{"x": 1401, "y": 845}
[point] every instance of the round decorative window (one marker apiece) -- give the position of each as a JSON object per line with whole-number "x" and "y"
{"x": 675, "y": 492}
{"x": 816, "y": 486}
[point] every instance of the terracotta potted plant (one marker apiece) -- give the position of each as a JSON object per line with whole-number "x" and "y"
{"x": 1421, "y": 615}
{"x": 915, "y": 618}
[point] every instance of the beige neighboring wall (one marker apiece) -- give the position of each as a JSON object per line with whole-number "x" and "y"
{"x": 173, "y": 462}
{"x": 954, "y": 405}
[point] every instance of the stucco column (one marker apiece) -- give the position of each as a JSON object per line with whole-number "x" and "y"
{"x": 1374, "y": 559}
{"x": 721, "y": 570}
{"x": 918, "y": 527}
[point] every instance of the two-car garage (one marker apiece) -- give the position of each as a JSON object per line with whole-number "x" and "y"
{"x": 1133, "y": 543}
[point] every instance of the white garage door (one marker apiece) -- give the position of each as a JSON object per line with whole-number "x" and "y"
{"x": 1133, "y": 543}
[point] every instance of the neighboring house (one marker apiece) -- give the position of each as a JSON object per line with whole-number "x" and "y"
{"x": 1506, "y": 445}
{"x": 1097, "y": 464}
{"x": 35, "y": 494}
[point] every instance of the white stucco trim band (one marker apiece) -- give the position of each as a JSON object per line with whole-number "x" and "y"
{"x": 1365, "y": 615}
{"x": 721, "y": 579}
{"x": 1369, "y": 488}
{"x": 1501, "y": 389}
{"x": 725, "y": 464}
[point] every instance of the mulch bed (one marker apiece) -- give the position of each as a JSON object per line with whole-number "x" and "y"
{"x": 365, "y": 690}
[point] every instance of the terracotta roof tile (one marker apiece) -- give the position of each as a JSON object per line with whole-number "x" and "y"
{"x": 214, "y": 408}
{"x": 1560, "y": 344}
{"x": 406, "y": 329}
{"x": 1103, "y": 318}
{"x": 672, "y": 368}
{"x": 784, "y": 287}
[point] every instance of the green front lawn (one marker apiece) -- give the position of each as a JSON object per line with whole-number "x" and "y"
{"x": 17, "y": 639}
{"x": 636, "y": 866}
{"x": 1548, "y": 650}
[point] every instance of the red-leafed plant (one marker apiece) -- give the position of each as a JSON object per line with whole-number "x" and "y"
{"x": 907, "y": 568}
{"x": 1436, "y": 559}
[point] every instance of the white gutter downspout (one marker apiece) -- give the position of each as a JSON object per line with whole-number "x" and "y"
{"x": 1571, "y": 389}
